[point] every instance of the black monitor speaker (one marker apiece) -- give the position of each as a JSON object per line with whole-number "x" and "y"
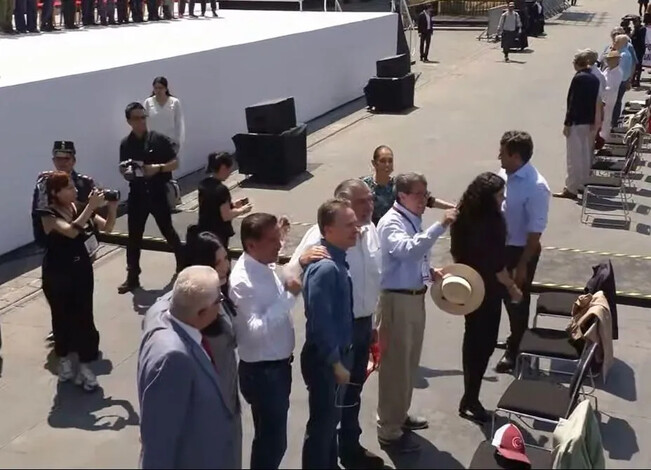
{"x": 393, "y": 67}
{"x": 271, "y": 117}
{"x": 391, "y": 95}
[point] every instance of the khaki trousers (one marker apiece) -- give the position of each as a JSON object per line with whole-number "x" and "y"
{"x": 6, "y": 14}
{"x": 401, "y": 320}
{"x": 580, "y": 144}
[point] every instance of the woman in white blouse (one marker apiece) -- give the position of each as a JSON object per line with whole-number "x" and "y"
{"x": 164, "y": 113}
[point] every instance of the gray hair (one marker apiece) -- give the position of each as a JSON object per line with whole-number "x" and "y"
{"x": 405, "y": 182}
{"x": 196, "y": 288}
{"x": 592, "y": 55}
{"x": 621, "y": 38}
{"x": 616, "y": 31}
{"x": 345, "y": 189}
{"x": 582, "y": 59}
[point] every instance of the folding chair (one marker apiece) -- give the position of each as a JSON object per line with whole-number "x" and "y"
{"x": 554, "y": 304}
{"x": 484, "y": 458}
{"x": 545, "y": 401}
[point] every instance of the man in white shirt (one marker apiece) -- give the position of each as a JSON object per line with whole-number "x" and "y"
{"x": 509, "y": 28}
{"x": 364, "y": 268}
{"x": 614, "y": 77}
{"x": 265, "y": 336}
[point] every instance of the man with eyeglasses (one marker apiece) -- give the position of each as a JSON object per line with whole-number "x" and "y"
{"x": 147, "y": 160}
{"x": 406, "y": 273}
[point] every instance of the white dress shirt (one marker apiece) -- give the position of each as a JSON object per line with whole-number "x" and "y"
{"x": 167, "y": 120}
{"x": 602, "y": 80}
{"x": 191, "y": 331}
{"x": 263, "y": 325}
{"x": 364, "y": 261}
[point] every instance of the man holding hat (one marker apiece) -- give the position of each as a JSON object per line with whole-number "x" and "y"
{"x": 406, "y": 272}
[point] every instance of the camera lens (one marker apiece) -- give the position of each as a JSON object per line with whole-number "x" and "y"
{"x": 111, "y": 195}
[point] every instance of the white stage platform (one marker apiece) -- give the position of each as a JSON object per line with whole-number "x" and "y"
{"x": 74, "y": 86}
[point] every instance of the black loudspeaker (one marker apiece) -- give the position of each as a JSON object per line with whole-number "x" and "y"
{"x": 390, "y": 94}
{"x": 271, "y": 117}
{"x": 393, "y": 67}
{"x": 272, "y": 159}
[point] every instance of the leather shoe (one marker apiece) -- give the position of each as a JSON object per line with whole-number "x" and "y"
{"x": 500, "y": 345}
{"x": 402, "y": 445}
{"x": 361, "y": 459}
{"x": 474, "y": 412}
{"x": 506, "y": 365}
{"x": 414, "y": 423}
{"x": 132, "y": 283}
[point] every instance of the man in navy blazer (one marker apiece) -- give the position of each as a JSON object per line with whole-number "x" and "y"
{"x": 185, "y": 421}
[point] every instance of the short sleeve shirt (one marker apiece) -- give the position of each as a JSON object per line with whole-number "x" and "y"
{"x": 383, "y": 197}
{"x": 212, "y": 195}
{"x": 152, "y": 149}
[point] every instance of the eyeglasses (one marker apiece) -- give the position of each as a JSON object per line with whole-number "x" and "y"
{"x": 424, "y": 195}
{"x": 340, "y": 395}
{"x": 219, "y": 299}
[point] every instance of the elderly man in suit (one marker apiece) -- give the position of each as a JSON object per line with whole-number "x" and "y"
{"x": 185, "y": 419}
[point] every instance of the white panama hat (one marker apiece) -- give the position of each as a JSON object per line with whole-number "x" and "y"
{"x": 460, "y": 291}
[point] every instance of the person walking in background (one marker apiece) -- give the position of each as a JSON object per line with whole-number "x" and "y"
{"x": 582, "y": 120}
{"x": 216, "y": 208}
{"x": 184, "y": 418}
{"x": 265, "y": 334}
{"x": 165, "y": 114}
{"x": 509, "y": 27}
{"x": 526, "y": 209}
{"x": 478, "y": 239}
{"x": 406, "y": 272}
{"x": 425, "y": 30}
{"x": 326, "y": 358}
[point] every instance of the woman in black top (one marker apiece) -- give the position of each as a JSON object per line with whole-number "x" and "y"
{"x": 216, "y": 209}
{"x": 479, "y": 240}
{"x": 71, "y": 245}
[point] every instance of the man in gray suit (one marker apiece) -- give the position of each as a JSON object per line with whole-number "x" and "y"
{"x": 185, "y": 421}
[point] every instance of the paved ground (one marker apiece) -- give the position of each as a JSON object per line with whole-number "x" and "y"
{"x": 464, "y": 104}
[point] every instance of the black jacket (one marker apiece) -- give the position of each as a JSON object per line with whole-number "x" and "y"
{"x": 422, "y": 23}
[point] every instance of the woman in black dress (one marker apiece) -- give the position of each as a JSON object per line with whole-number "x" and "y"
{"x": 479, "y": 240}
{"x": 216, "y": 209}
{"x": 70, "y": 248}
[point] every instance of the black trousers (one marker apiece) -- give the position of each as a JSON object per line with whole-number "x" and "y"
{"x": 425, "y": 40}
{"x": 70, "y": 295}
{"x": 637, "y": 74}
{"x": 152, "y": 10}
{"x": 123, "y": 11}
{"x": 25, "y": 13}
{"x": 266, "y": 387}
{"x": 88, "y": 12}
{"x": 213, "y": 6}
{"x": 518, "y": 313}
{"x": 141, "y": 204}
{"x": 479, "y": 338}
{"x": 68, "y": 7}
{"x": 136, "y": 11}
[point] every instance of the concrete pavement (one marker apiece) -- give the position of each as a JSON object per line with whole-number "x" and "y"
{"x": 464, "y": 102}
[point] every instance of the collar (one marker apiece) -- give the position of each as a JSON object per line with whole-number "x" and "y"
{"x": 338, "y": 255}
{"x": 522, "y": 172}
{"x": 190, "y": 330}
{"x": 139, "y": 139}
{"x": 254, "y": 263}
{"x": 413, "y": 217}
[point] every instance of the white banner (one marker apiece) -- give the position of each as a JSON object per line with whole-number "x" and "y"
{"x": 646, "y": 60}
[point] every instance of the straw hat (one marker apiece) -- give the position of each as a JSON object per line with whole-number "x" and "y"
{"x": 460, "y": 292}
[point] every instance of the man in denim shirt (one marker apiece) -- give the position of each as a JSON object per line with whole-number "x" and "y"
{"x": 326, "y": 356}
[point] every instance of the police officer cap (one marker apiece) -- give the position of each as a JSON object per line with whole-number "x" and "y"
{"x": 64, "y": 146}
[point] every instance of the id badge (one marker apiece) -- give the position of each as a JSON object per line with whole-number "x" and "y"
{"x": 427, "y": 277}
{"x": 92, "y": 245}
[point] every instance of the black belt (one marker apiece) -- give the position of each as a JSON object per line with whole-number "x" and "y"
{"x": 363, "y": 318}
{"x": 288, "y": 360}
{"x": 420, "y": 291}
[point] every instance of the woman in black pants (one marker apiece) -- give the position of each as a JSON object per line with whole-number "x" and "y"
{"x": 479, "y": 240}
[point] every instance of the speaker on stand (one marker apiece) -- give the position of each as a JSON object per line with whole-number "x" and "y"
{"x": 392, "y": 89}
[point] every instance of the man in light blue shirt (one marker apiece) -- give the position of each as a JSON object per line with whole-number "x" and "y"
{"x": 405, "y": 273}
{"x": 525, "y": 209}
{"x": 627, "y": 65}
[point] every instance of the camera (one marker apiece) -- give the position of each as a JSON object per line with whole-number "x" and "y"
{"x": 111, "y": 195}
{"x": 132, "y": 169}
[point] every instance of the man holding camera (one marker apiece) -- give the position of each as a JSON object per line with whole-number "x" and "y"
{"x": 147, "y": 160}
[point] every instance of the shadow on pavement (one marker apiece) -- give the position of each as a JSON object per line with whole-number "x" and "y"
{"x": 619, "y": 438}
{"x": 143, "y": 299}
{"x": 75, "y": 408}
{"x": 428, "y": 456}
{"x": 425, "y": 373}
{"x": 621, "y": 381}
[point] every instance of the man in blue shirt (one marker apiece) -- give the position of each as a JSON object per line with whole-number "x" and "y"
{"x": 327, "y": 354}
{"x": 525, "y": 210}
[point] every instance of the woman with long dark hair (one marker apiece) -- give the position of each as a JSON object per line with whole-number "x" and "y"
{"x": 70, "y": 249}
{"x": 164, "y": 113}
{"x": 479, "y": 240}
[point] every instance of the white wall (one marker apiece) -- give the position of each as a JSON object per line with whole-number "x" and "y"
{"x": 322, "y": 69}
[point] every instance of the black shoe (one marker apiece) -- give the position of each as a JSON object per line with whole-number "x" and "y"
{"x": 132, "y": 283}
{"x": 500, "y": 345}
{"x": 506, "y": 365}
{"x": 214, "y": 14}
{"x": 50, "y": 337}
{"x": 414, "y": 423}
{"x": 361, "y": 459}
{"x": 402, "y": 445}
{"x": 474, "y": 412}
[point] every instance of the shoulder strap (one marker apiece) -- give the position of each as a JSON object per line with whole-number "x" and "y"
{"x": 406, "y": 217}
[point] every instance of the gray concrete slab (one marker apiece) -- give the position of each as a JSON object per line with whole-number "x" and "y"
{"x": 464, "y": 104}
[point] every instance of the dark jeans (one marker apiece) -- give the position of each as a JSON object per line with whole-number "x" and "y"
{"x": 25, "y": 8}
{"x": 123, "y": 11}
{"x": 70, "y": 295}
{"x": 479, "y": 338}
{"x": 88, "y": 12}
{"x": 68, "y": 7}
{"x": 141, "y": 204}
{"x": 152, "y": 10}
{"x": 519, "y": 313}
{"x": 47, "y": 9}
{"x": 425, "y": 40}
{"x": 617, "y": 110}
{"x": 320, "y": 444}
{"x": 266, "y": 387}
{"x": 349, "y": 430}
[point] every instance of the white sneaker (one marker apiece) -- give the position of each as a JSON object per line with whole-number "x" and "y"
{"x": 66, "y": 371}
{"x": 86, "y": 378}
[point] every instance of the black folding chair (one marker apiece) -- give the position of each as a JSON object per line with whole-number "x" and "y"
{"x": 545, "y": 401}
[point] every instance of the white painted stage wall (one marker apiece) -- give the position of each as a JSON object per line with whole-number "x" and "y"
{"x": 322, "y": 69}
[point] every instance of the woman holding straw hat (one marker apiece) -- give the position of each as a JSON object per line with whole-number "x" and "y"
{"x": 478, "y": 242}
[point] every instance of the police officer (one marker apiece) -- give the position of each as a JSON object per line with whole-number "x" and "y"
{"x": 64, "y": 159}
{"x": 147, "y": 160}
